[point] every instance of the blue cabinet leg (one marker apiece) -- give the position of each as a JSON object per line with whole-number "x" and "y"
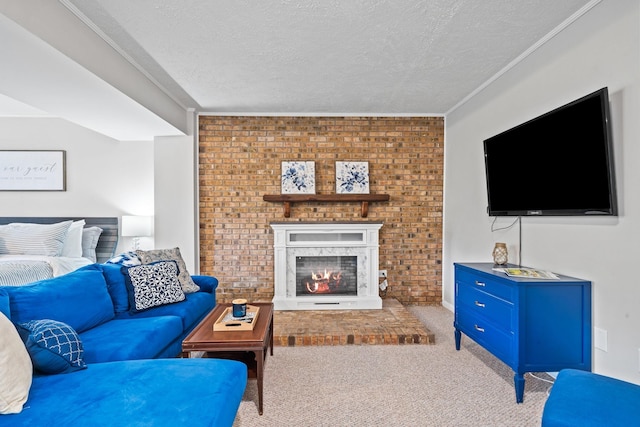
{"x": 457, "y": 334}
{"x": 518, "y": 382}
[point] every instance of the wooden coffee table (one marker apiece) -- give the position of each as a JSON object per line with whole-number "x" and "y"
{"x": 249, "y": 347}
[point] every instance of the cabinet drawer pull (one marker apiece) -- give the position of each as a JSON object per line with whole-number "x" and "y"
{"x": 480, "y": 283}
{"x": 480, "y": 304}
{"x": 478, "y": 328}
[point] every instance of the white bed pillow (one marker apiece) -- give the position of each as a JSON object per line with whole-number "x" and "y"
{"x": 33, "y": 239}
{"x": 16, "y": 369}
{"x": 90, "y": 236}
{"x": 73, "y": 243}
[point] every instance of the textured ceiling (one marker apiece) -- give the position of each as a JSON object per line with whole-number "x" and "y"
{"x": 324, "y": 56}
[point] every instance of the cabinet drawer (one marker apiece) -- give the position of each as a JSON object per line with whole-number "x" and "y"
{"x": 481, "y": 303}
{"x": 493, "y": 338}
{"x": 487, "y": 284}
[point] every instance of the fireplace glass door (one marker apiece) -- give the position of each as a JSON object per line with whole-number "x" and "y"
{"x": 326, "y": 275}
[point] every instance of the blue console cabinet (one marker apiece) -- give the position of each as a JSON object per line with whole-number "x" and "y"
{"x": 532, "y": 325}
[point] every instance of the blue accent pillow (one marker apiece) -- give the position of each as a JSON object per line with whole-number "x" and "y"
{"x": 54, "y": 347}
{"x": 153, "y": 285}
{"x": 116, "y": 286}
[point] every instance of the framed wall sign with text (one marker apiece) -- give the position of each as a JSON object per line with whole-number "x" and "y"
{"x": 32, "y": 170}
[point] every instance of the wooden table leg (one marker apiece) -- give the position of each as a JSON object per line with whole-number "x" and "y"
{"x": 271, "y": 335}
{"x": 259, "y": 377}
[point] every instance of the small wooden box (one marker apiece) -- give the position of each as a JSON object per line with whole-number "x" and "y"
{"x": 226, "y": 321}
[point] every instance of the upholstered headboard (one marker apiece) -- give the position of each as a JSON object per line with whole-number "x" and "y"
{"x": 108, "y": 239}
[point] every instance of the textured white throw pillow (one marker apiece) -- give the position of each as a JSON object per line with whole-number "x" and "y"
{"x": 16, "y": 369}
{"x": 153, "y": 255}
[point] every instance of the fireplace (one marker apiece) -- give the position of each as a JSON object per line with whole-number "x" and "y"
{"x": 326, "y": 266}
{"x": 324, "y": 275}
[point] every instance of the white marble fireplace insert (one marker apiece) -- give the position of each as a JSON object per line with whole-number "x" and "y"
{"x": 326, "y": 265}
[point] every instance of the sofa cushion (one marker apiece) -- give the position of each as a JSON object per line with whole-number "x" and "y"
{"x": 147, "y": 257}
{"x": 79, "y": 299}
{"x": 130, "y": 338}
{"x": 115, "y": 285}
{"x": 16, "y": 369}
{"x": 137, "y": 393}
{"x": 118, "y": 290}
{"x": 54, "y": 347}
{"x": 152, "y": 285}
{"x": 191, "y": 310}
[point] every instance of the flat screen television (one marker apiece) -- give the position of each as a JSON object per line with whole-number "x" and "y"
{"x": 560, "y": 163}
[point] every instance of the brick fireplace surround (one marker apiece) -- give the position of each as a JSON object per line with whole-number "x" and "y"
{"x": 239, "y": 160}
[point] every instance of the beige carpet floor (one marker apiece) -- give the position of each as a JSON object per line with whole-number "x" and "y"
{"x": 392, "y": 385}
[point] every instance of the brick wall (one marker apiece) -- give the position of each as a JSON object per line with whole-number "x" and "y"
{"x": 240, "y": 162}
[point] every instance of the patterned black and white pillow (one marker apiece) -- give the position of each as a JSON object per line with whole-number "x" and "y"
{"x": 152, "y": 285}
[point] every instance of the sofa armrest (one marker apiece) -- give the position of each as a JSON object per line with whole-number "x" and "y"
{"x": 4, "y": 303}
{"x": 206, "y": 283}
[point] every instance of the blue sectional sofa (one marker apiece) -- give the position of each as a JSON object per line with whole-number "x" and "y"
{"x": 94, "y": 301}
{"x": 137, "y": 393}
{"x": 585, "y": 399}
{"x": 122, "y": 382}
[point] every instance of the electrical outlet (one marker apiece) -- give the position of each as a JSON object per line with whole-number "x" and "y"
{"x": 382, "y": 273}
{"x": 600, "y": 339}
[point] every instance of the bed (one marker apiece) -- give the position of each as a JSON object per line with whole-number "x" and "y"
{"x": 36, "y": 248}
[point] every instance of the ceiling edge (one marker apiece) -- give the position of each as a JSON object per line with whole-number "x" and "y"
{"x": 93, "y": 27}
{"x": 308, "y": 114}
{"x": 566, "y": 23}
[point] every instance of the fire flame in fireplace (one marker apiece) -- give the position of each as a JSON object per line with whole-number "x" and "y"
{"x": 324, "y": 283}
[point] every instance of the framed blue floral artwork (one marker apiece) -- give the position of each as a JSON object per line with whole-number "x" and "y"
{"x": 352, "y": 177}
{"x": 298, "y": 178}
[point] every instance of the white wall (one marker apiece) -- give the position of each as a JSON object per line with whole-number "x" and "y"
{"x": 105, "y": 177}
{"x": 176, "y": 200}
{"x": 602, "y": 48}
{"x": 75, "y": 74}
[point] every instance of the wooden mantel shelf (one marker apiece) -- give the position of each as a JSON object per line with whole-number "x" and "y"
{"x": 288, "y": 199}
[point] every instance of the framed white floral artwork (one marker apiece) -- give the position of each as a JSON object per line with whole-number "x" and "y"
{"x": 298, "y": 177}
{"x": 352, "y": 177}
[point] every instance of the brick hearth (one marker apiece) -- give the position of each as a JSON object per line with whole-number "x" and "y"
{"x": 394, "y": 324}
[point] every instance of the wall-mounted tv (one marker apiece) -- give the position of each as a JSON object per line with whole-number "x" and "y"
{"x": 560, "y": 163}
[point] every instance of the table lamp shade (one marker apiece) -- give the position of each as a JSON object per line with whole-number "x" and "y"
{"x": 136, "y": 226}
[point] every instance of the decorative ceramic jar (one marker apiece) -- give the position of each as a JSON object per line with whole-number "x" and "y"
{"x": 500, "y": 255}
